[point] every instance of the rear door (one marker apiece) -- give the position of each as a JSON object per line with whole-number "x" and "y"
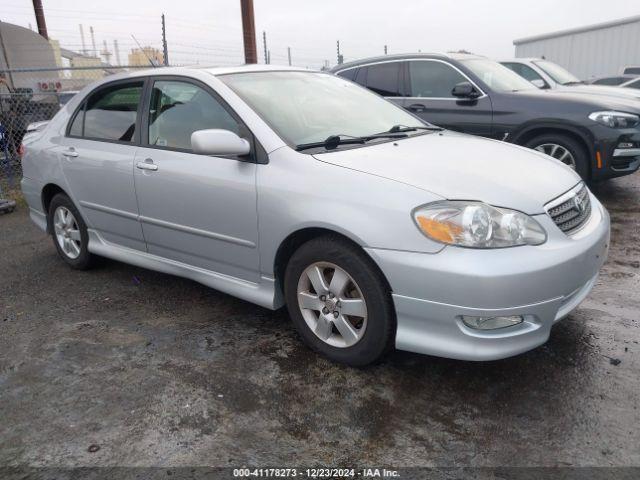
{"x": 195, "y": 209}
{"x": 97, "y": 156}
{"x": 430, "y": 83}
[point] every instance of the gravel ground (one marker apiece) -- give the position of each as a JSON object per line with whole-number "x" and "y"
{"x": 154, "y": 370}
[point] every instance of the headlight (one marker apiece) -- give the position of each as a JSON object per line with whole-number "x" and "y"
{"x": 615, "y": 119}
{"x": 477, "y": 225}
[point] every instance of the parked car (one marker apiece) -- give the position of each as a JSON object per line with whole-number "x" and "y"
{"x": 613, "y": 81}
{"x": 631, "y": 70}
{"x": 545, "y": 74}
{"x": 285, "y": 186}
{"x": 598, "y": 136}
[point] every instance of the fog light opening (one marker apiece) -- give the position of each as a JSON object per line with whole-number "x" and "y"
{"x": 491, "y": 323}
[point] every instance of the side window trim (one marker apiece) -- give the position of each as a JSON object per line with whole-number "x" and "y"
{"x": 435, "y": 60}
{"x": 257, "y": 154}
{"x": 79, "y": 110}
{"x": 136, "y": 135}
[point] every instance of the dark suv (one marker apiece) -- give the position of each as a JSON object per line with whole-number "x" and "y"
{"x": 599, "y": 136}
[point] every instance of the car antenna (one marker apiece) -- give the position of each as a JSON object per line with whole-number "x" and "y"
{"x": 142, "y": 50}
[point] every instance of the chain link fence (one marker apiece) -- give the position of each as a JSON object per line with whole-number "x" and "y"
{"x": 29, "y": 96}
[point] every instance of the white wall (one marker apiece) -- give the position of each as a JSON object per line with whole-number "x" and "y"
{"x": 594, "y": 53}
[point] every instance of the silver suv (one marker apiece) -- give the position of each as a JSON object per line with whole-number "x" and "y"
{"x": 285, "y": 186}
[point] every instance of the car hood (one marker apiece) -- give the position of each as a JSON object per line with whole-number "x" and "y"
{"x": 603, "y": 90}
{"x": 462, "y": 167}
{"x": 575, "y": 100}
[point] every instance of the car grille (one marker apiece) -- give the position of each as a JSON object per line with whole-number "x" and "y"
{"x": 573, "y": 211}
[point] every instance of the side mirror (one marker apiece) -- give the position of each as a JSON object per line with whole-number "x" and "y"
{"x": 540, "y": 83}
{"x": 465, "y": 90}
{"x": 218, "y": 142}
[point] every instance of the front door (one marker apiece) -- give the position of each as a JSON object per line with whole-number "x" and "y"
{"x": 430, "y": 86}
{"x": 195, "y": 209}
{"x": 97, "y": 156}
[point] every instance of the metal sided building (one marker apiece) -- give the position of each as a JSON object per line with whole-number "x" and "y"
{"x": 587, "y": 52}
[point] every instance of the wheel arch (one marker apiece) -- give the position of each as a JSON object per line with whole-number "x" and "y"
{"x": 49, "y": 191}
{"x": 297, "y": 238}
{"x": 530, "y": 131}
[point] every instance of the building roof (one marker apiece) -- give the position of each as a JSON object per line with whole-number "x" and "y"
{"x": 66, "y": 53}
{"x": 572, "y": 31}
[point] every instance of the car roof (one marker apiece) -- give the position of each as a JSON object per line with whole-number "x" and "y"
{"x": 520, "y": 60}
{"x": 404, "y": 56}
{"x": 213, "y": 70}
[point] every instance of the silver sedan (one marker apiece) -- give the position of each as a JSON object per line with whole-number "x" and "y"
{"x": 290, "y": 187}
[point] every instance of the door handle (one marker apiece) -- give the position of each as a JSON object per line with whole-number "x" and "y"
{"x": 70, "y": 153}
{"x": 147, "y": 165}
{"x": 417, "y": 107}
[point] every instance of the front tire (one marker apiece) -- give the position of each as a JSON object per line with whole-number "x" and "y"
{"x": 339, "y": 302}
{"x": 565, "y": 149}
{"x": 69, "y": 233}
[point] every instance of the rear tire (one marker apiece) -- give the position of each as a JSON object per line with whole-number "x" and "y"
{"x": 69, "y": 233}
{"x": 328, "y": 277}
{"x": 563, "y": 148}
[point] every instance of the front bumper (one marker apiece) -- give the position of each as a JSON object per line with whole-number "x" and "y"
{"x": 616, "y": 161}
{"x": 543, "y": 284}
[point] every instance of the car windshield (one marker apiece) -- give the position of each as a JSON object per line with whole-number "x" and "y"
{"x": 559, "y": 74}
{"x": 498, "y": 77}
{"x": 307, "y": 107}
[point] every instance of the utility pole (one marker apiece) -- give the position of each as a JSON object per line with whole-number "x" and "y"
{"x": 84, "y": 46}
{"x": 165, "y": 51}
{"x": 93, "y": 42}
{"x": 249, "y": 32}
{"x": 106, "y": 53}
{"x": 385, "y": 49}
{"x": 340, "y": 57}
{"x": 289, "y": 54}
{"x": 4, "y": 53}
{"x": 42, "y": 25}
{"x": 117, "y": 51}
{"x": 264, "y": 43}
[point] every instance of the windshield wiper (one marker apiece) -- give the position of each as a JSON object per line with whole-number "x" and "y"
{"x": 404, "y": 128}
{"x": 574, "y": 82}
{"x": 332, "y": 142}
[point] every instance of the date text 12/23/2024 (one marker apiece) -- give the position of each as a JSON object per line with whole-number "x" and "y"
{"x": 315, "y": 473}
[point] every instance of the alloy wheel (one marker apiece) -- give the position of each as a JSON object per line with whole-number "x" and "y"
{"x": 332, "y": 304}
{"x": 67, "y": 232}
{"x": 558, "y": 152}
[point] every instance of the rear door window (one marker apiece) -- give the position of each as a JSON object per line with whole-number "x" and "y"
{"x": 384, "y": 79}
{"x": 348, "y": 74}
{"x": 111, "y": 112}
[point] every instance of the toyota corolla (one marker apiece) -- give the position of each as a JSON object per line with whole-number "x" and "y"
{"x": 291, "y": 187}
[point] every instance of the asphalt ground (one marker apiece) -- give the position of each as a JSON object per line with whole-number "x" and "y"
{"x": 121, "y": 366}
